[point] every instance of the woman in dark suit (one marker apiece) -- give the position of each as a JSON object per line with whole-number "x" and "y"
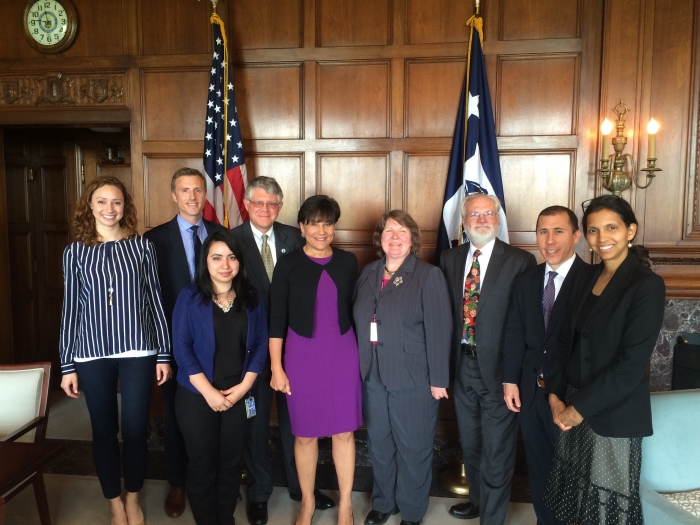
{"x": 404, "y": 325}
{"x": 598, "y": 387}
{"x": 311, "y": 308}
{"x": 220, "y": 345}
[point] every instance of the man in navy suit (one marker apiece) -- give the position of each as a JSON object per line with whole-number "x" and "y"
{"x": 534, "y": 321}
{"x": 177, "y": 244}
{"x": 264, "y": 241}
{"x": 480, "y": 277}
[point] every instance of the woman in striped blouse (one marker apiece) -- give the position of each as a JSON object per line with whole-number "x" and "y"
{"x": 113, "y": 329}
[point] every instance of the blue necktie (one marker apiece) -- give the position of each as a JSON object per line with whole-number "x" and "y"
{"x": 197, "y": 246}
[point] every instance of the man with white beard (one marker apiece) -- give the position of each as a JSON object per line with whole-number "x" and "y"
{"x": 481, "y": 275}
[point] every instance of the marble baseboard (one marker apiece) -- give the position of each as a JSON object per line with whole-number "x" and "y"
{"x": 681, "y": 316}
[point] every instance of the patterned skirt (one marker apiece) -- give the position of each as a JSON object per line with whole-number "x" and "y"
{"x": 595, "y": 480}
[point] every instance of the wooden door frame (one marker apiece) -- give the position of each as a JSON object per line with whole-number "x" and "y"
{"x": 6, "y": 353}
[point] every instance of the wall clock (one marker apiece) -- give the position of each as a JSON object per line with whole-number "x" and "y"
{"x": 50, "y": 26}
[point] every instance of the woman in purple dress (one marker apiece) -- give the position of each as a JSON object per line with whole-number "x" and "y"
{"x": 311, "y": 315}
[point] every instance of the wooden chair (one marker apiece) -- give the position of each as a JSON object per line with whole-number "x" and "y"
{"x": 24, "y": 391}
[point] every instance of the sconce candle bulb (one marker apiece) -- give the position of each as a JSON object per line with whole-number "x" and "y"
{"x": 652, "y": 128}
{"x": 605, "y": 129}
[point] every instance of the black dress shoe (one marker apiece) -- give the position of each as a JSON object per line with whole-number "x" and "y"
{"x": 404, "y": 522}
{"x": 465, "y": 511}
{"x": 378, "y": 518}
{"x": 257, "y": 513}
{"x": 323, "y": 502}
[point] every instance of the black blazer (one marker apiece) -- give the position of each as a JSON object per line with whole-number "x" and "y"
{"x": 295, "y": 284}
{"x": 616, "y": 344}
{"x": 173, "y": 271}
{"x": 506, "y": 263}
{"x": 287, "y": 239}
{"x": 528, "y": 347}
{"x": 414, "y": 323}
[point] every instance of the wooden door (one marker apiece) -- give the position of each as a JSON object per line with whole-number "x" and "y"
{"x": 40, "y": 192}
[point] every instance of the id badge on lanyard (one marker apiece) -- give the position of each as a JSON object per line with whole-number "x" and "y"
{"x": 373, "y": 324}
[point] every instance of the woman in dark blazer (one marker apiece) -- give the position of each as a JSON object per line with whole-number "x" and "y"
{"x": 598, "y": 386}
{"x": 311, "y": 312}
{"x": 220, "y": 345}
{"x": 404, "y": 325}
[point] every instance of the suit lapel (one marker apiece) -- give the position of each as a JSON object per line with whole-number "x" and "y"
{"x": 179, "y": 262}
{"x": 282, "y": 246}
{"x": 537, "y": 291}
{"x": 617, "y": 283}
{"x": 492, "y": 270}
{"x": 560, "y": 304}
{"x": 402, "y": 276}
{"x": 374, "y": 276}
{"x": 252, "y": 253}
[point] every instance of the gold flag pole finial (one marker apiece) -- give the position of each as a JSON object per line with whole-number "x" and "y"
{"x": 214, "y": 2}
{"x": 476, "y": 8}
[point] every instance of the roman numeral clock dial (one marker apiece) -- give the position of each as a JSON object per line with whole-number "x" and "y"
{"x": 50, "y": 26}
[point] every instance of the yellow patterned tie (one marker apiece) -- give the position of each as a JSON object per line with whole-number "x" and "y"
{"x": 267, "y": 257}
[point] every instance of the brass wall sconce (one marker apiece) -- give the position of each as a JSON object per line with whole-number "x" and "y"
{"x": 617, "y": 179}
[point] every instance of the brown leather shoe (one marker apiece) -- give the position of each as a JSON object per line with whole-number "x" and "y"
{"x": 175, "y": 502}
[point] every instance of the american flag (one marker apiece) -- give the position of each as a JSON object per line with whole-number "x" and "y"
{"x": 224, "y": 162}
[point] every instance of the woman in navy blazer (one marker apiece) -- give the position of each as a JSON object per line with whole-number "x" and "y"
{"x": 598, "y": 384}
{"x": 220, "y": 345}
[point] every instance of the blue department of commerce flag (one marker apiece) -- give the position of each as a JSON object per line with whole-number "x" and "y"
{"x": 474, "y": 166}
{"x": 224, "y": 162}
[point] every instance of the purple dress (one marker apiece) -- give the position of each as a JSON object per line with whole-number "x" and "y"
{"x": 324, "y": 371}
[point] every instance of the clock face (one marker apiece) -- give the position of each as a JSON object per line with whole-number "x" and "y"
{"x": 47, "y": 22}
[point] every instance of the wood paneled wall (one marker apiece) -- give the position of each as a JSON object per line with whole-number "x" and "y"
{"x": 358, "y": 99}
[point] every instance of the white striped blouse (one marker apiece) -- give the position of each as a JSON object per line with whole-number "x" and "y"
{"x": 112, "y": 302}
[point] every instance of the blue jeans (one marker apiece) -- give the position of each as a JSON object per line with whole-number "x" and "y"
{"x": 98, "y": 380}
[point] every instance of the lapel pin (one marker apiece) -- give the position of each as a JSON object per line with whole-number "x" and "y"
{"x": 284, "y": 250}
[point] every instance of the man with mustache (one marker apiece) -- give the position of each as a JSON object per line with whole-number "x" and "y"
{"x": 481, "y": 275}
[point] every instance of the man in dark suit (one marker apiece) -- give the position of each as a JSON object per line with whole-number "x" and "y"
{"x": 480, "y": 276}
{"x": 264, "y": 241}
{"x": 177, "y": 244}
{"x": 534, "y": 321}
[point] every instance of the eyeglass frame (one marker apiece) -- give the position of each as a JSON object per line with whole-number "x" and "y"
{"x": 488, "y": 214}
{"x": 258, "y": 205}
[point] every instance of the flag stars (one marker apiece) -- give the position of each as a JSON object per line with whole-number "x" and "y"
{"x": 208, "y": 136}
{"x": 211, "y": 87}
{"x": 218, "y": 176}
{"x": 473, "y": 106}
{"x": 218, "y": 41}
{"x": 217, "y": 109}
{"x": 230, "y": 86}
{"x": 218, "y": 92}
{"x": 234, "y": 159}
{"x": 228, "y": 137}
{"x": 209, "y": 120}
{"x": 210, "y": 104}
{"x": 213, "y": 70}
{"x": 239, "y": 144}
{"x": 208, "y": 153}
{"x": 216, "y": 55}
{"x": 233, "y": 123}
{"x": 219, "y": 161}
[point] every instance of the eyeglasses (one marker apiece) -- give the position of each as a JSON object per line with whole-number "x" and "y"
{"x": 262, "y": 204}
{"x": 486, "y": 215}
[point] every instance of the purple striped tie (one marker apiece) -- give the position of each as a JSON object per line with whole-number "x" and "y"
{"x": 548, "y": 299}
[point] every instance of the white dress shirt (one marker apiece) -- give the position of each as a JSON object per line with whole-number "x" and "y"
{"x": 257, "y": 235}
{"x": 562, "y": 272}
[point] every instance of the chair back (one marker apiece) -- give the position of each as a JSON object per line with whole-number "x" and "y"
{"x": 671, "y": 457}
{"x": 24, "y": 391}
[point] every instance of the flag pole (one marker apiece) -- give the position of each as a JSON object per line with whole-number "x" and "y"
{"x": 214, "y": 19}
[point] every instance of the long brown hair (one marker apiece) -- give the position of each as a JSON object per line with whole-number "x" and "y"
{"x": 84, "y": 220}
